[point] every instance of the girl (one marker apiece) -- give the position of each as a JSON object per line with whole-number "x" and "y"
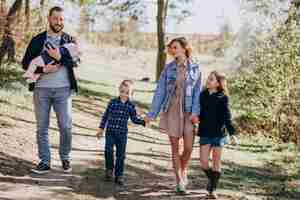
{"x": 177, "y": 96}
{"x": 215, "y": 118}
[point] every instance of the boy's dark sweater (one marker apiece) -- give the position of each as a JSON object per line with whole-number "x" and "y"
{"x": 116, "y": 116}
{"x": 215, "y": 116}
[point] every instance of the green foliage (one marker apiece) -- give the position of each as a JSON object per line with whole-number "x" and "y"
{"x": 87, "y": 2}
{"x": 268, "y": 92}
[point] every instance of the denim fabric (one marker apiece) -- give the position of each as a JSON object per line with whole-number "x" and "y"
{"x": 61, "y": 101}
{"x": 120, "y": 141}
{"x": 214, "y": 141}
{"x": 166, "y": 87}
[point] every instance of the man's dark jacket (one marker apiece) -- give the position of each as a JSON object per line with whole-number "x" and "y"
{"x": 35, "y": 48}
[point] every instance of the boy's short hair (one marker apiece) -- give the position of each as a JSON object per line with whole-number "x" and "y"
{"x": 127, "y": 83}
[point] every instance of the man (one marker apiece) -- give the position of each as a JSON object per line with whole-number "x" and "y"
{"x": 53, "y": 89}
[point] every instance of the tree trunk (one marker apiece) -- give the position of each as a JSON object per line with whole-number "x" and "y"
{"x": 40, "y": 26}
{"x": 162, "y": 7}
{"x": 27, "y": 15}
{"x": 3, "y": 14}
{"x": 8, "y": 42}
{"x": 122, "y": 30}
{"x": 84, "y": 20}
{"x": 42, "y": 4}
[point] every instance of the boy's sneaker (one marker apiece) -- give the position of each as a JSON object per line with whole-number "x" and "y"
{"x": 41, "y": 168}
{"x": 108, "y": 175}
{"x": 212, "y": 195}
{"x": 66, "y": 166}
{"x": 120, "y": 181}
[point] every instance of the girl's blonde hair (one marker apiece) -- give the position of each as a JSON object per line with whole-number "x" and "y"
{"x": 221, "y": 78}
{"x": 183, "y": 43}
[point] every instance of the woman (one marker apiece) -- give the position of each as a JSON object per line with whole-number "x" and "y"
{"x": 177, "y": 96}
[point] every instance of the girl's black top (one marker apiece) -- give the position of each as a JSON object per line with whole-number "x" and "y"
{"x": 215, "y": 115}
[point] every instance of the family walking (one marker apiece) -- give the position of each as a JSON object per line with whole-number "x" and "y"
{"x": 186, "y": 108}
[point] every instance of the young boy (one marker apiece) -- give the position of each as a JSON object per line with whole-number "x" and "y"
{"x": 115, "y": 120}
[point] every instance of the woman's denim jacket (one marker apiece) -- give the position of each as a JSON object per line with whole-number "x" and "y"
{"x": 166, "y": 87}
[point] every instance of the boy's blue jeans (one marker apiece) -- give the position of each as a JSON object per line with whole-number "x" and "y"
{"x": 119, "y": 140}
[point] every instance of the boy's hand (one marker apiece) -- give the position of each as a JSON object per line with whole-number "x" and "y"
{"x": 233, "y": 140}
{"x": 99, "y": 133}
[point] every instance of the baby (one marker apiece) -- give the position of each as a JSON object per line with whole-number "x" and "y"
{"x": 45, "y": 59}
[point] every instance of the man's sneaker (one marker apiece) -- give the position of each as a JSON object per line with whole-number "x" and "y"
{"x": 120, "y": 180}
{"x": 66, "y": 166}
{"x": 108, "y": 175}
{"x": 41, "y": 168}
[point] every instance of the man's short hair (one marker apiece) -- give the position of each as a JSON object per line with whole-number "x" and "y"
{"x": 55, "y": 9}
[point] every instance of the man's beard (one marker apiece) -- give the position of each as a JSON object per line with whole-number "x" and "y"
{"x": 56, "y": 28}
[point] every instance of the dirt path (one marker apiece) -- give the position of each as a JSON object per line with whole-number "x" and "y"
{"x": 148, "y": 170}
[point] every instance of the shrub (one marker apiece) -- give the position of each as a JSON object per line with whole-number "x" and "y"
{"x": 268, "y": 90}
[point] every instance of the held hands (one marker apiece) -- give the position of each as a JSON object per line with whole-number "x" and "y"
{"x": 99, "y": 133}
{"x": 195, "y": 121}
{"x": 148, "y": 120}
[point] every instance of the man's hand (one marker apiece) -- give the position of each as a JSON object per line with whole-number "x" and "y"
{"x": 99, "y": 133}
{"x": 54, "y": 53}
{"x": 50, "y": 68}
